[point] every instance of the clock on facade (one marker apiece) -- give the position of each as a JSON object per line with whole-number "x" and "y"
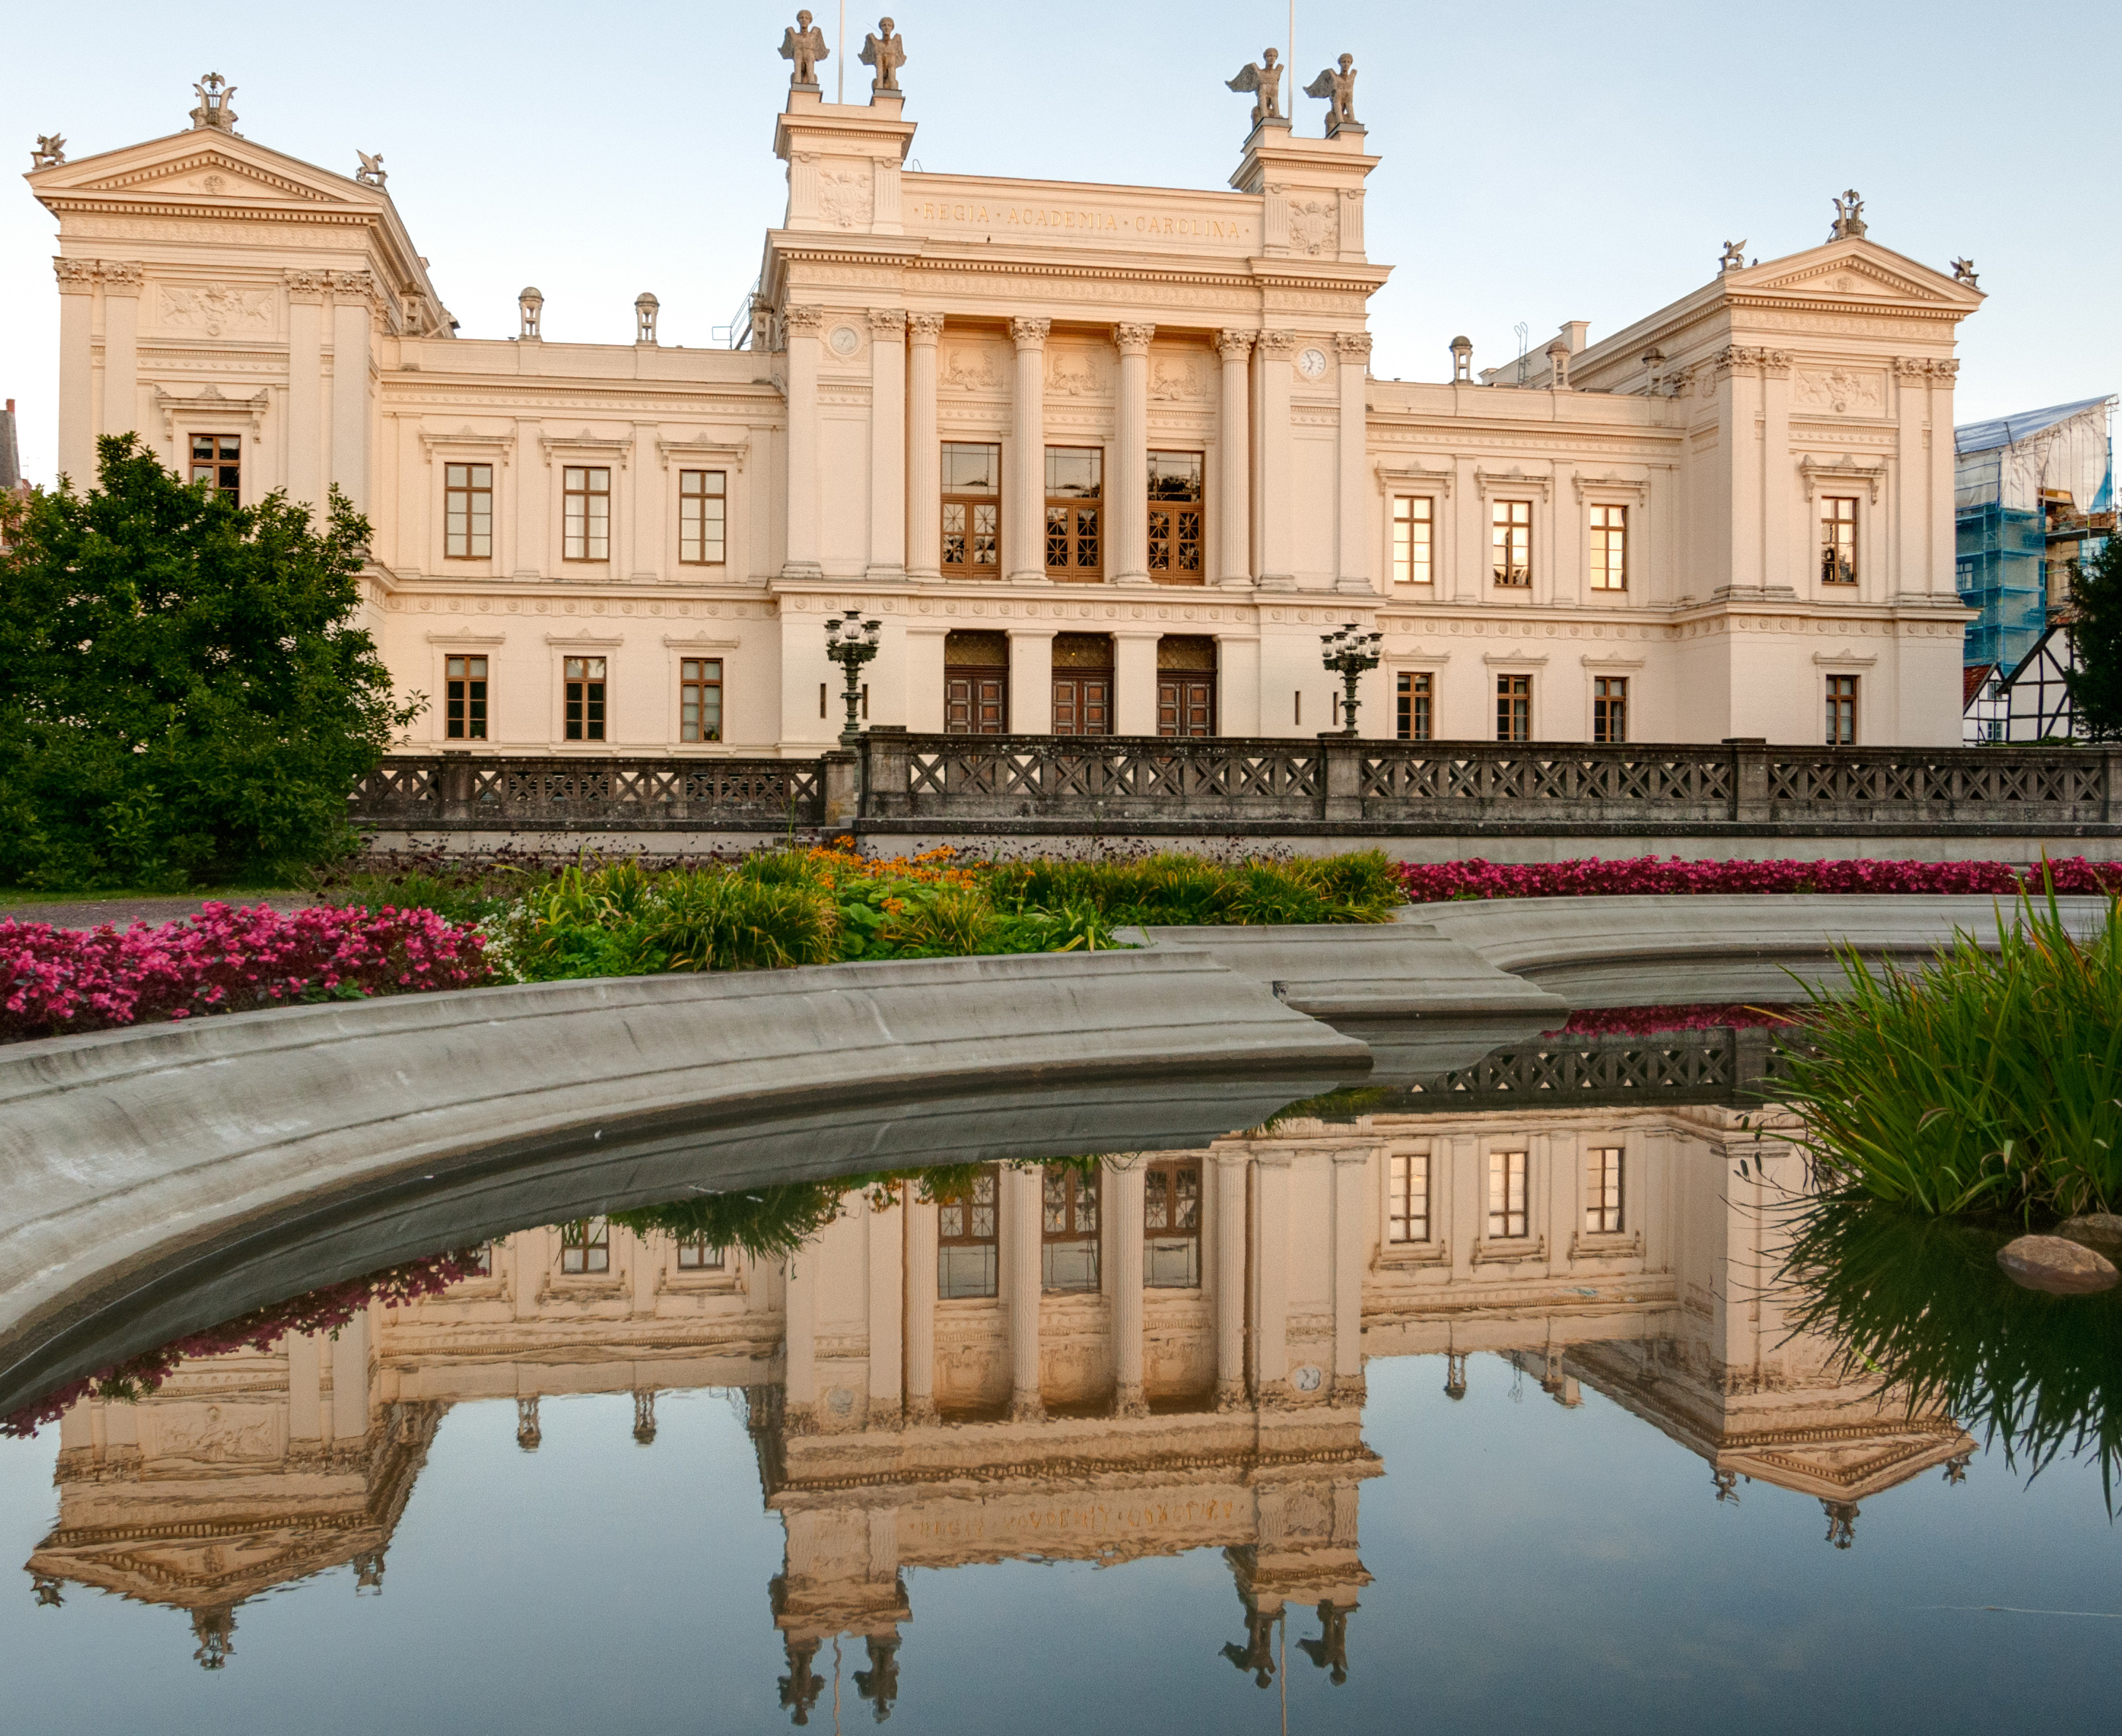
{"x": 1311, "y": 363}
{"x": 845, "y": 340}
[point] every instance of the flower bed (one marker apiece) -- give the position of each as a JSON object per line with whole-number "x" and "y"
{"x": 1589, "y": 877}
{"x": 1651, "y": 1021}
{"x": 58, "y": 981}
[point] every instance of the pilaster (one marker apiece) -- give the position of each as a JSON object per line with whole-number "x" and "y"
{"x": 76, "y": 281}
{"x": 1270, "y": 1264}
{"x": 924, "y": 463}
{"x": 1025, "y": 495}
{"x": 1352, "y": 515}
{"x": 1273, "y": 459}
{"x": 1352, "y": 1182}
{"x": 1030, "y": 680}
{"x": 887, "y": 444}
{"x": 353, "y": 295}
{"x": 1229, "y": 1169}
{"x": 1128, "y": 488}
{"x": 799, "y": 1355}
{"x": 803, "y": 325}
{"x": 887, "y": 1283}
{"x": 918, "y": 1287}
{"x": 304, "y": 434}
{"x": 1235, "y": 444}
{"x": 122, "y": 282}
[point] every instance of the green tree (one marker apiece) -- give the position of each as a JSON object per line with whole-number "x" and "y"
{"x": 184, "y": 695}
{"x": 2095, "y": 684}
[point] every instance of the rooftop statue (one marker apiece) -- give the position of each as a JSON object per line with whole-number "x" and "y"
{"x": 1735, "y": 256}
{"x": 1339, "y": 91}
{"x": 1849, "y": 217}
{"x": 50, "y": 151}
{"x": 884, "y": 49}
{"x": 804, "y": 44}
{"x": 372, "y": 173}
{"x": 1963, "y": 272}
{"x": 1263, "y": 78}
{"x": 216, "y": 104}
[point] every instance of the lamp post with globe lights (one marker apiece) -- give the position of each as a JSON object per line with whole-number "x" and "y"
{"x": 851, "y": 642}
{"x": 1348, "y": 653}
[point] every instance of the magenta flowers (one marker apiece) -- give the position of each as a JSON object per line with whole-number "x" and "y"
{"x": 1591, "y": 877}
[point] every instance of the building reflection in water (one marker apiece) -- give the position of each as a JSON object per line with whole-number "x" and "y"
{"x": 1140, "y": 1356}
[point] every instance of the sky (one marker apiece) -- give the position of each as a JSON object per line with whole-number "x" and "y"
{"x": 1541, "y": 162}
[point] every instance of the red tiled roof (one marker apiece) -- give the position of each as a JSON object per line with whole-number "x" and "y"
{"x": 1971, "y": 678}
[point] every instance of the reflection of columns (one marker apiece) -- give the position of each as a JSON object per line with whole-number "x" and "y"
{"x": 1022, "y": 1214}
{"x": 305, "y": 1386}
{"x": 1229, "y": 1181}
{"x": 1352, "y": 1175}
{"x": 1127, "y": 489}
{"x": 644, "y": 1416}
{"x": 528, "y": 1434}
{"x": 887, "y": 443}
{"x": 1025, "y": 497}
{"x": 802, "y": 326}
{"x": 77, "y": 372}
{"x": 349, "y": 1360}
{"x": 1270, "y": 1246}
{"x": 919, "y": 1276}
{"x": 924, "y": 455}
{"x": 1273, "y": 481}
{"x": 1234, "y": 438}
{"x": 799, "y": 1342}
{"x": 1123, "y": 1233}
{"x": 887, "y": 1241}
{"x": 1351, "y": 537}
{"x": 121, "y": 351}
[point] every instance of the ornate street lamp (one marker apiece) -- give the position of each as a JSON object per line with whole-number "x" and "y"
{"x": 852, "y": 643}
{"x": 1348, "y": 653}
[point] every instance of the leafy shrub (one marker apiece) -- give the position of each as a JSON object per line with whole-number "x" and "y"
{"x": 710, "y": 921}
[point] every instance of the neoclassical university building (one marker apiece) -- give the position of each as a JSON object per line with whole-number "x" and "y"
{"x": 1099, "y": 458}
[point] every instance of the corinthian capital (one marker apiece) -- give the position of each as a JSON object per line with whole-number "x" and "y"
{"x": 1234, "y": 346}
{"x": 1132, "y": 340}
{"x": 1277, "y": 342}
{"x": 1353, "y": 343}
{"x": 1030, "y": 333}
{"x": 924, "y": 328}
{"x": 887, "y": 322}
{"x": 76, "y": 275}
{"x": 797, "y": 318}
{"x": 122, "y": 274}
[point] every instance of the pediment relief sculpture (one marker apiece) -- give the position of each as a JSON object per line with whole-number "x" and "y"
{"x": 1849, "y": 276}
{"x": 217, "y": 310}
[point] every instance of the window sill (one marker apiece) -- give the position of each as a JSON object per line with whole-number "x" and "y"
{"x": 1416, "y": 1253}
{"x": 1509, "y": 1250}
{"x": 1601, "y": 1245}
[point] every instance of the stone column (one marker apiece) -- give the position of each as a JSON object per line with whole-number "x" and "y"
{"x": 1134, "y": 681}
{"x": 919, "y": 1274}
{"x": 121, "y": 350}
{"x": 353, "y": 297}
{"x": 1352, "y": 517}
{"x": 887, "y": 1286}
{"x": 1229, "y": 1169}
{"x": 1127, "y": 489}
{"x": 78, "y": 370}
{"x": 924, "y": 460}
{"x": 1234, "y": 436}
{"x": 1031, "y": 681}
{"x": 802, "y": 325}
{"x": 1351, "y": 1180}
{"x": 1270, "y": 1249}
{"x": 1273, "y": 462}
{"x": 1122, "y": 1205}
{"x": 302, "y": 436}
{"x": 1024, "y": 495}
{"x": 887, "y": 444}
{"x": 1022, "y": 1215}
{"x": 799, "y": 1359}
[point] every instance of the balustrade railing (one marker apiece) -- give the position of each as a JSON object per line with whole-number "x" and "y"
{"x": 456, "y": 791}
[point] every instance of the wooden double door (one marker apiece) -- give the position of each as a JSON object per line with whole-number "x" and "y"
{"x": 1082, "y": 683}
{"x": 976, "y": 702}
{"x": 1185, "y": 704}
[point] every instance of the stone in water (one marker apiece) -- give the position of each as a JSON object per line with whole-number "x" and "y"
{"x": 2061, "y": 1267}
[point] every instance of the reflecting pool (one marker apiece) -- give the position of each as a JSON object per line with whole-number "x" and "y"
{"x": 1491, "y": 1404}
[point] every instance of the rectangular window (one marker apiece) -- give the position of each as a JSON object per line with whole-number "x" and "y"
{"x": 218, "y": 461}
{"x": 700, "y": 698}
{"x": 582, "y": 711}
{"x": 464, "y": 699}
{"x": 697, "y": 1254}
{"x": 1513, "y": 708}
{"x": 1842, "y": 711}
{"x": 972, "y": 509}
{"x": 1075, "y": 514}
{"x": 1510, "y": 537}
{"x": 1838, "y": 541}
{"x": 585, "y": 1246}
{"x": 1171, "y": 1224}
{"x": 966, "y": 1239}
{"x": 1610, "y": 709}
{"x": 1175, "y": 518}
{"x": 1416, "y": 690}
{"x": 1609, "y": 548}
{"x": 1068, "y": 1239}
{"x": 701, "y": 517}
{"x": 1507, "y": 1194}
{"x": 586, "y": 525}
{"x": 1602, "y": 1190}
{"x": 468, "y": 511}
{"x": 1413, "y": 526}
{"x": 1407, "y": 1200}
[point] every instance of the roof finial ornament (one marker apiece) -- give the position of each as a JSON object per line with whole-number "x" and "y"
{"x": 1963, "y": 272}
{"x": 1735, "y": 256}
{"x": 804, "y": 44}
{"x": 884, "y": 50}
{"x": 1849, "y": 217}
{"x": 1262, "y": 78}
{"x": 50, "y": 151}
{"x": 372, "y": 173}
{"x": 1339, "y": 91}
{"x": 216, "y": 105}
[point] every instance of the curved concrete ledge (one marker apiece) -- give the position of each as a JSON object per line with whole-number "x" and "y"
{"x": 115, "y": 1147}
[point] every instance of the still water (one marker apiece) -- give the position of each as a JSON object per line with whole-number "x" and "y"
{"x": 1398, "y": 1411}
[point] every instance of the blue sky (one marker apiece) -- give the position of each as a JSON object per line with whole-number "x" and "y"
{"x": 1542, "y": 163}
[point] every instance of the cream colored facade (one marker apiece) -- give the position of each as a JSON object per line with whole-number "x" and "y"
{"x": 211, "y": 286}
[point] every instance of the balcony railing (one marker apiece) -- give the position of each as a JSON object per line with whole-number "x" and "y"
{"x": 448, "y": 792}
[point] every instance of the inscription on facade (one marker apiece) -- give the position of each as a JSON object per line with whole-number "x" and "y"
{"x": 1093, "y": 222}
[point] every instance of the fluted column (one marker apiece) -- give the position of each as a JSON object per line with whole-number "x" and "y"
{"x": 353, "y": 319}
{"x": 1230, "y": 1180}
{"x": 924, "y": 455}
{"x": 887, "y": 444}
{"x": 1026, "y": 496}
{"x": 121, "y": 349}
{"x": 1351, "y": 1180}
{"x": 78, "y": 370}
{"x": 1022, "y": 1212}
{"x": 1234, "y": 436}
{"x": 1127, "y": 489}
{"x": 1274, "y": 461}
{"x": 1123, "y": 1212}
{"x": 920, "y": 1293}
{"x": 1270, "y": 1251}
{"x": 802, "y": 325}
{"x": 1352, "y": 534}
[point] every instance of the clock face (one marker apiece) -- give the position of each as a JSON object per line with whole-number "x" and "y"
{"x": 845, "y": 340}
{"x": 1311, "y": 363}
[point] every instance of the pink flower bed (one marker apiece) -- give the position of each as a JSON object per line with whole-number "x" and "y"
{"x": 1433, "y": 882}
{"x": 55, "y": 981}
{"x": 1694, "y": 1015}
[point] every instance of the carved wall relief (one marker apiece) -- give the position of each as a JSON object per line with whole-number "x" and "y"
{"x": 1073, "y": 374}
{"x": 217, "y": 310}
{"x": 1176, "y": 379}
{"x": 1314, "y": 224}
{"x": 1841, "y": 391}
{"x": 972, "y": 371}
{"x": 845, "y": 198}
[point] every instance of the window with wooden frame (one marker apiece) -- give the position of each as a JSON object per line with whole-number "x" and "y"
{"x": 975, "y": 684}
{"x": 586, "y": 512}
{"x": 1186, "y": 685}
{"x": 1407, "y": 1197}
{"x": 967, "y": 1236}
{"x": 1075, "y": 514}
{"x": 1838, "y": 540}
{"x": 703, "y": 518}
{"x": 1602, "y": 1190}
{"x": 585, "y": 1246}
{"x": 700, "y": 698}
{"x": 464, "y": 699}
{"x": 1842, "y": 711}
{"x": 1171, "y": 1224}
{"x": 582, "y": 699}
{"x": 1082, "y": 683}
{"x": 1068, "y": 1236}
{"x": 1510, "y": 539}
{"x": 480, "y": 1265}
{"x": 1513, "y": 708}
{"x": 218, "y": 461}
{"x": 1507, "y": 1195}
{"x": 1413, "y": 529}
{"x": 1175, "y": 518}
{"x": 1414, "y": 700}
{"x": 972, "y": 509}
{"x": 468, "y": 511}
{"x": 1609, "y": 548}
{"x": 1610, "y": 709}
{"x": 697, "y": 1254}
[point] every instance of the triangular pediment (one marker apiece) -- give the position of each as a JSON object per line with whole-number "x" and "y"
{"x": 202, "y": 164}
{"x": 1853, "y": 268}
{"x": 1847, "y": 1465}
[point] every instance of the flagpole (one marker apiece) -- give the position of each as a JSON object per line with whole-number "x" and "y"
{"x": 840, "y": 95}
